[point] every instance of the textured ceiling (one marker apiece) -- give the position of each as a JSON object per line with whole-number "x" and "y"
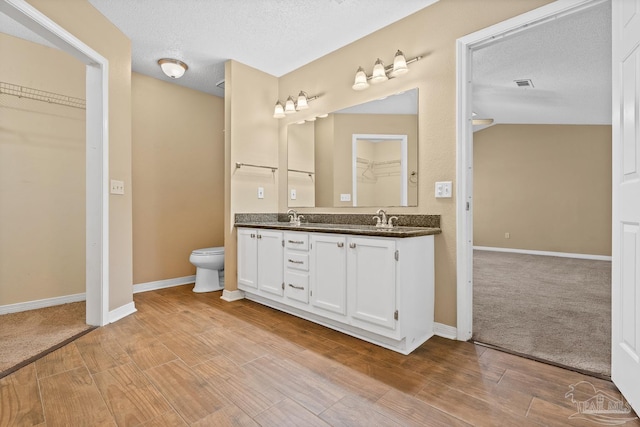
{"x": 568, "y": 58}
{"x": 275, "y": 36}
{"x": 569, "y": 61}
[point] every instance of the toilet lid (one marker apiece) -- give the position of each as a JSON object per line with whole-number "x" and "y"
{"x": 209, "y": 251}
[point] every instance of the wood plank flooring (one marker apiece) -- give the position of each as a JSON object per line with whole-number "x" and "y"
{"x": 193, "y": 359}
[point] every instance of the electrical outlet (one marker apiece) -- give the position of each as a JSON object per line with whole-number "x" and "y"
{"x": 260, "y": 192}
{"x": 117, "y": 187}
{"x": 443, "y": 189}
{"x": 345, "y": 197}
{"x": 293, "y": 194}
{"x": 507, "y": 235}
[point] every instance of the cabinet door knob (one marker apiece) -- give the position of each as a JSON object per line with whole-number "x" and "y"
{"x": 340, "y": 244}
{"x": 352, "y": 245}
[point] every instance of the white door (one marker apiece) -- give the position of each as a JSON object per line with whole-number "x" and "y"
{"x": 371, "y": 267}
{"x": 270, "y": 262}
{"x": 625, "y": 273}
{"x": 329, "y": 273}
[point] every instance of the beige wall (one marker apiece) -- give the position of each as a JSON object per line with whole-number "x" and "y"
{"x": 251, "y": 136}
{"x": 301, "y": 143}
{"x": 86, "y": 23}
{"x": 431, "y": 32}
{"x": 42, "y": 176}
{"x": 178, "y": 177}
{"x": 548, "y": 186}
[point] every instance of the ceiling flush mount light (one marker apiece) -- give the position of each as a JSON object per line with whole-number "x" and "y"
{"x": 381, "y": 73}
{"x": 172, "y": 67}
{"x": 290, "y": 106}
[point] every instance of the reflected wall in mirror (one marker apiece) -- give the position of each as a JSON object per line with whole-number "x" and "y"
{"x": 322, "y": 170}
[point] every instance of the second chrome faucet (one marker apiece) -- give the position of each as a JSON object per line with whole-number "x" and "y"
{"x": 382, "y": 221}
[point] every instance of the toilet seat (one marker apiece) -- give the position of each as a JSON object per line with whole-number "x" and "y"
{"x": 209, "y": 251}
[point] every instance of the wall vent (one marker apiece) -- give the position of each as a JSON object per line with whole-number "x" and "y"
{"x": 524, "y": 83}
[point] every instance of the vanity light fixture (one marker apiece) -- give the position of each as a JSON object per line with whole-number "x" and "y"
{"x": 173, "y": 68}
{"x": 381, "y": 73}
{"x": 290, "y": 106}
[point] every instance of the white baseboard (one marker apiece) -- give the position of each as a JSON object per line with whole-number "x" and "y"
{"x": 445, "y": 331}
{"x": 231, "y": 296}
{"x": 161, "y": 284}
{"x": 545, "y": 253}
{"x": 41, "y": 303}
{"x": 122, "y": 311}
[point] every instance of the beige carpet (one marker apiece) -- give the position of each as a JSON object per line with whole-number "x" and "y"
{"x": 28, "y": 335}
{"x": 551, "y": 308}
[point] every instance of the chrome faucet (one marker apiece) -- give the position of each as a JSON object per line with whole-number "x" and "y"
{"x": 294, "y": 218}
{"x": 381, "y": 218}
{"x": 382, "y": 221}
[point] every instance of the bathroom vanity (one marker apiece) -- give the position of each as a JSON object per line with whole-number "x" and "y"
{"x": 372, "y": 283}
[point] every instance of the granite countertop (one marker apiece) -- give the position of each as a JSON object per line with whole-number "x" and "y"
{"x": 416, "y": 225}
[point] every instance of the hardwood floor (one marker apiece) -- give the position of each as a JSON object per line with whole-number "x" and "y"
{"x": 193, "y": 359}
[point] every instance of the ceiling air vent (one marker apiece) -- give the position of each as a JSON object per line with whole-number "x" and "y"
{"x": 524, "y": 83}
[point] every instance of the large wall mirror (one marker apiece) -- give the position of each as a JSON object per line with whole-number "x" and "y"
{"x": 365, "y": 155}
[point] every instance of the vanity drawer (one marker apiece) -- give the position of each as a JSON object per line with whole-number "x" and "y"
{"x": 297, "y": 241}
{"x": 297, "y": 261}
{"x": 296, "y": 286}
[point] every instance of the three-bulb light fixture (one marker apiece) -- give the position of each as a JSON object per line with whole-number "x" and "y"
{"x": 290, "y": 106}
{"x": 381, "y": 73}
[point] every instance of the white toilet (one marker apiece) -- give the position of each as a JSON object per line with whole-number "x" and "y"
{"x": 209, "y": 264}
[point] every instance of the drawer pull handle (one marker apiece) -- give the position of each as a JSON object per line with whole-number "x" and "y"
{"x": 296, "y": 287}
{"x": 352, "y": 245}
{"x": 253, "y": 235}
{"x": 340, "y": 244}
{"x": 296, "y": 242}
{"x": 296, "y": 262}
{"x": 259, "y": 236}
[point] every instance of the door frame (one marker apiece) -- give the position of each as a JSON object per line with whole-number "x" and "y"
{"x": 464, "y": 140}
{"x": 97, "y": 151}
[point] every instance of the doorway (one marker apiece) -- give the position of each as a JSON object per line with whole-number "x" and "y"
{"x": 515, "y": 28}
{"x": 97, "y": 151}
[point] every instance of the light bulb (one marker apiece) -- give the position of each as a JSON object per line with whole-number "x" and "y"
{"x": 379, "y": 74}
{"x": 302, "y": 103}
{"x": 278, "y": 111}
{"x": 360, "y": 82}
{"x": 399, "y": 64}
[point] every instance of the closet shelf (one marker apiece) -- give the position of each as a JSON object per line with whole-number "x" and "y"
{"x": 42, "y": 95}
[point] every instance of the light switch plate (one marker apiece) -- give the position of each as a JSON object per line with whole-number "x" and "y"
{"x": 260, "y": 192}
{"x": 443, "y": 189}
{"x": 117, "y": 187}
{"x": 293, "y": 194}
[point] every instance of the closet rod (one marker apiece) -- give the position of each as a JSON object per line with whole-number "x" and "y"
{"x": 42, "y": 95}
{"x": 300, "y": 171}
{"x": 239, "y": 165}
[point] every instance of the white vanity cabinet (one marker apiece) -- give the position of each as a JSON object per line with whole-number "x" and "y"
{"x": 260, "y": 261}
{"x": 380, "y": 289}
